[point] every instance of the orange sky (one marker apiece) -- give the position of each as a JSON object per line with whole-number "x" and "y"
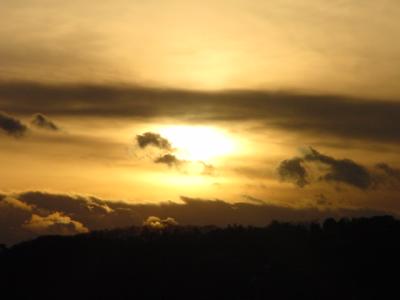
{"x": 293, "y": 104}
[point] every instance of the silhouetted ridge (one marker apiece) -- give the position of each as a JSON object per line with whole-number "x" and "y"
{"x": 345, "y": 259}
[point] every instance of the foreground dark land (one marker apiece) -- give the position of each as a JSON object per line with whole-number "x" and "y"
{"x": 348, "y": 259}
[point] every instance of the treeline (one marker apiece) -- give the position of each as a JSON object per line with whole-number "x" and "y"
{"x": 345, "y": 259}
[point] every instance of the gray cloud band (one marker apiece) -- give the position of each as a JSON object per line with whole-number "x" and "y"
{"x": 319, "y": 114}
{"x": 29, "y": 214}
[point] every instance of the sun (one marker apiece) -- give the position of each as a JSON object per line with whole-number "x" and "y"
{"x": 198, "y": 143}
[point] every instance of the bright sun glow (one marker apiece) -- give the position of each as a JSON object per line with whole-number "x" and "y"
{"x": 198, "y": 143}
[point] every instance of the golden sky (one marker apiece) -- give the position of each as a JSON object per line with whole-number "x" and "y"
{"x": 291, "y": 107}
{"x": 345, "y": 47}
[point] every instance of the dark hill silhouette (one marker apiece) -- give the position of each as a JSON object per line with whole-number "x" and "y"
{"x": 346, "y": 259}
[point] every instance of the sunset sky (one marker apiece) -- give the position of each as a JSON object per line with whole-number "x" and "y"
{"x": 207, "y": 112}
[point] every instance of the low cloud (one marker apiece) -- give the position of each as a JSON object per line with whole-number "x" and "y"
{"x": 55, "y": 223}
{"x": 26, "y": 215}
{"x": 43, "y": 122}
{"x": 12, "y": 126}
{"x": 157, "y": 223}
{"x": 13, "y": 214}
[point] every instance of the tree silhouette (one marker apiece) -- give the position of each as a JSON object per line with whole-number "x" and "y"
{"x": 344, "y": 259}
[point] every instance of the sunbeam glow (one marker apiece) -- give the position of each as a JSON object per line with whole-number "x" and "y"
{"x": 198, "y": 142}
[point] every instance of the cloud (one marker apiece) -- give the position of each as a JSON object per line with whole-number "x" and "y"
{"x": 153, "y": 139}
{"x": 337, "y": 116}
{"x": 342, "y": 170}
{"x": 17, "y": 204}
{"x": 293, "y": 170}
{"x": 85, "y": 209}
{"x": 389, "y": 171}
{"x": 26, "y": 215}
{"x": 157, "y": 223}
{"x": 68, "y": 203}
{"x": 335, "y": 170}
{"x": 41, "y": 121}
{"x": 12, "y": 126}
{"x": 219, "y": 212}
{"x": 170, "y": 160}
{"x": 55, "y": 223}
{"x": 387, "y": 176}
{"x": 13, "y": 213}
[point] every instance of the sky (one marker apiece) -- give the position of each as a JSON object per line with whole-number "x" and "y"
{"x": 204, "y": 112}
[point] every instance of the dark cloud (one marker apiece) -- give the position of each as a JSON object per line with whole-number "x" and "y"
{"x": 222, "y": 213}
{"x": 252, "y": 199}
{"x": 318, "y": 114}
{"x": 13, "y": 214}
{"x": 169, "y": 159}
{"x": 43, "y": 122}
{"x": 27, "y": 215}
{"x": 294, "y": 171}
{"x": 336, "y": 170}
{"x": 12, "y": 126}
{"x": 387, "y": 176}
{"x": 20, "y": 220}
{"x": 153, "y": 139}
{"x": 389, "y": 171}
{"x": 89, "y": 210}
{"x": 342, "y": 170}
